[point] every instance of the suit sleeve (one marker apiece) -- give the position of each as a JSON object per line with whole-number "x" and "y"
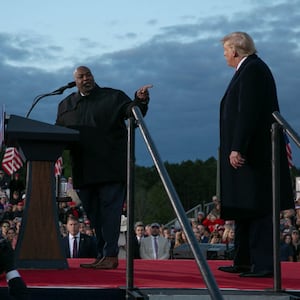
{"x": 144, "y": 249}
{"x": 166, "y": 250}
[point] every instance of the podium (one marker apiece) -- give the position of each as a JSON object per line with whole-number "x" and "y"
{"x": 39, "y": 244}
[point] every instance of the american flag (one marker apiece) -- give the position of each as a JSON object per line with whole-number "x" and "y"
{"x": 12, "y": 160}
{"x": 288, "y": 150}
{"x": 2, "y": 118}
{"x": 58, "y": 166}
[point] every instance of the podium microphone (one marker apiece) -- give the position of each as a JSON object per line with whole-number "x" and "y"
{"x": 56, "y": 92}
{"x": 68, "y": 86}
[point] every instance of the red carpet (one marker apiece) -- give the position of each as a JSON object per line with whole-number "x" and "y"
{"x": 180, "y": 274}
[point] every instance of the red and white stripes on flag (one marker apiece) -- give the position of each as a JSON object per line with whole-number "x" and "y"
{"x": 12, "y": 160}
{"x": 288, "y": 150}
{"x": 58, "y": 166}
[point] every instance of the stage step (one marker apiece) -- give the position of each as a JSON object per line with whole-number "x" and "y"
{"x": 192, "y": 294}
{"x": 147, "y": 294}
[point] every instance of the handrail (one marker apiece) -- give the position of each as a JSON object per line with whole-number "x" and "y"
{"x": 178, "y": 208}
{"x": 287, "y": 127}
{"x": 276, "y": 206}
{"x": 276, "y": 129}
{"x": 193, "y": 211}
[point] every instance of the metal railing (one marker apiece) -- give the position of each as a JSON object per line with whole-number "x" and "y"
{"x": 277, "y": 128}
{"x": 193, "y": 213}
{"x": 182, "y": 217}
{"x": 175, "y": 201}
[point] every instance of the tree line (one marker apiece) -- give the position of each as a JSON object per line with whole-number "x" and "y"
{"x": 194, "y": 181}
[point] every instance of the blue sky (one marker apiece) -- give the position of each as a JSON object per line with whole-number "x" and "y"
{"x": 175, "y": 45}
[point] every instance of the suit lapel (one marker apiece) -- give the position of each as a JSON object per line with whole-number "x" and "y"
{"x": 238, "y": 72}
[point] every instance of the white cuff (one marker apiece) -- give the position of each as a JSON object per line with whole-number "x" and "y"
{"x": 12, "y": 274}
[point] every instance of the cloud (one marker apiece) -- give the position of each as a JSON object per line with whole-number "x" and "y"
{"x": 184, "y": 63}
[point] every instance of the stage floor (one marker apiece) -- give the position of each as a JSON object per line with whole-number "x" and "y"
{"x": 169, "y": 274}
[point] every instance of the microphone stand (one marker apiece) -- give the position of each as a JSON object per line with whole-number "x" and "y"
{"x": 39, "y": 97}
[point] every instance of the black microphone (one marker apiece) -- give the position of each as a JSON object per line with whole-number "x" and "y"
{"x": 68, "y": 86}
{"x": 56, "y": 92}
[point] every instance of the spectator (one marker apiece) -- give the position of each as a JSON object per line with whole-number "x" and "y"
{"x": 214, "y": 206}
{"x": 16, "y": 185}
{"x": 3, "y": 203}
{"x": 139, "y": 229}
{"x": 296, "y": 245}
{"x": 11, "y": 236}
{"x": 228, "y": 235}
{"x": 73, "y": 210}
{"x": 286, "y": 249}
{"x": 63, "y": 230}
{"x": 155, "y": 246}
{"x": 19, "y": 210}
{"x": 70, "y": 184}
{"x": 76, "y": 244}
{"x": 167, "y": 233}
{"x": 139, "y": 234}
{"x": 5, "y": 225}
{"x": 82, "y": 227}
{"x": 72, "y": 193}
{"x": 17, "y": 224}
{"x": 215, "y": 237}
{"x": 15, "y": 198}
{"x": 211, "y": 221}
{"x": 148, "y": 230}
{"x": 297, "y": 214}
{"x": 205, "y": 237}
{"x": 180, "y": 239}
{"x": 200, "y": 217}
{"x": 62, "y": 212}
{"x": 197, "y": 234}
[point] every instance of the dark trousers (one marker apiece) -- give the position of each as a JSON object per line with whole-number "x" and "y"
{"x": 103, "y": 205}
{"x": 254, "y": 243}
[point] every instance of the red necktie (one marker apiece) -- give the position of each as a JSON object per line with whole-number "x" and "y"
{"x": 75, "y": 251}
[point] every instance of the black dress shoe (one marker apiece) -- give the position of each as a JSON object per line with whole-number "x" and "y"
{"x": 235, "y": 269}
{"x": 261, "y": 274}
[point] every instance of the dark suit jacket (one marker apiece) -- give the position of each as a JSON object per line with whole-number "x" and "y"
{"x": 245, "y": 124}
{"x": 87, "y": 247}
{"x": 100, "y": 119}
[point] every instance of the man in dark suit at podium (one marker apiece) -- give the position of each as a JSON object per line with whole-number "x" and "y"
{"x": 77, "y": 244}
{"x": 99, "y": 159}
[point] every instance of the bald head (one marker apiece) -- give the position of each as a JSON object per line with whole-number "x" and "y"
{"x": 84, "y": 80}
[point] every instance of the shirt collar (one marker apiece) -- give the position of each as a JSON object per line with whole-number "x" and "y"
{"x": 240, "y": 63}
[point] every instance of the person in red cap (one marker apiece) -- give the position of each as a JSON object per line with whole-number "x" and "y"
{"x": 73, "y": 210}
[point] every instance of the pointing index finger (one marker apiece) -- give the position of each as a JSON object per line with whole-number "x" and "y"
{"x": 146, "y": 87}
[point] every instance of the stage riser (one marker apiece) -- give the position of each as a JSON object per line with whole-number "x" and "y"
{"x": 70, "y": 294}
{"x": 191, "y": 294}
{"x": 225, "y": 297}
{"x": 164, "y": 294}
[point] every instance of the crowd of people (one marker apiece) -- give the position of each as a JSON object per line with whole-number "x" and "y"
{"x": 208, "y": 228}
